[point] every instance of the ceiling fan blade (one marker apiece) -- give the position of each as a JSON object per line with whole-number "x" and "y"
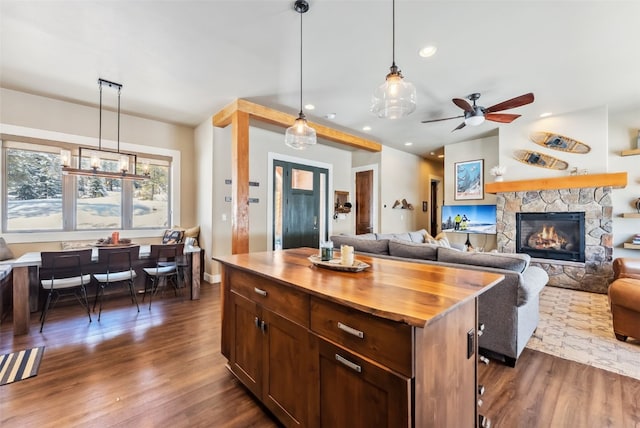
{"x": 462, "y": 125}
{"x": 501, "y": 117}
{"x": 440, "y": 120}
{"x": 463, "y": 104}
{"x": 512, "y": 103}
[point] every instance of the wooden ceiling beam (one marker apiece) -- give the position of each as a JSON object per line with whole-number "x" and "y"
{"x": 285, "y": 120}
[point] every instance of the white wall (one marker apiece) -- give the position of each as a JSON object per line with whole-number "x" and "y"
{"x": 588, "y": 126}
{"x": 203, "y": 191}
{"x": 487, "y": 150}
{"x": 400, "y": 179}
{"x": 623, "y": 134}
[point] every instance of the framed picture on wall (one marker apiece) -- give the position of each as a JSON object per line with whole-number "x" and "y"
{"x": 469, "y": 180}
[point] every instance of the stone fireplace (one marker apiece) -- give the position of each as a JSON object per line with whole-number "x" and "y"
{"x": 594, "y": 203}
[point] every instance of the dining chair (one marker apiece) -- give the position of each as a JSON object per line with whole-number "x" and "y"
{"x": 61, "y": 273}
{"x": 119, "y": 263}
{"x": 164, "y": 270}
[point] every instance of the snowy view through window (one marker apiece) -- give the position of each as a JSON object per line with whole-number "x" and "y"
{"x": 35, "y": 187}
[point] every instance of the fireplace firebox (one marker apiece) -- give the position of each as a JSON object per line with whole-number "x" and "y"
{"x": 551, "y": 235}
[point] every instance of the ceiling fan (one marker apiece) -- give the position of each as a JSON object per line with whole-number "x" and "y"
{"x": 475, "y": 115}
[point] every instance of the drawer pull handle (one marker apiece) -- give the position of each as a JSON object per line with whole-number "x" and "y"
{"x": 352, "y": 366}
{"x": 350, "y": 330}
{"x": 260, "y": 291}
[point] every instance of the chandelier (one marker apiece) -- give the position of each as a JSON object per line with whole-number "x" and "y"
{"x": 101, "y": 162}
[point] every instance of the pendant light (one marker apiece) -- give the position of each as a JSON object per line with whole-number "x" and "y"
{"x": 300, "y": 135}
{"x": 396, "y": 97}
{"x": 126, "y": 162}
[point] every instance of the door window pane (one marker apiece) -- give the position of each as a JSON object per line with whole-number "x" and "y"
{"x": 34, "y": 190}
{"x": 301, "y": 179}
{"x": 151, "y": 197}
{"x": 278, "y": 208}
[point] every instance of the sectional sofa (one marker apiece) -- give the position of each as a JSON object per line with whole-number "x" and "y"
{"x": 509, "y": 311}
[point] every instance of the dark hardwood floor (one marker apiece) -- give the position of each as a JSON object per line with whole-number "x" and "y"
{"x": 164, "y": 368}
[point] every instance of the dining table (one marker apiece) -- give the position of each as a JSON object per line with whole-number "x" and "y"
{"x": 32, "y": 260}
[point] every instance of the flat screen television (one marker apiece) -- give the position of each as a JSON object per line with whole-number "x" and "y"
{"x": 469, "y": 219}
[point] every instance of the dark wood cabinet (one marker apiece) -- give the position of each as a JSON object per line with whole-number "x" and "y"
{"x": 356, "y": 392}
{"x": 395, "y": 346}
{"x": 269, "y": 354}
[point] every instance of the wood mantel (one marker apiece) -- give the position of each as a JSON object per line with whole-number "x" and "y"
{"x": 615, "y": 179}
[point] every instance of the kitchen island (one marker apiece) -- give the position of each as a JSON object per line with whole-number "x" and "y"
{"x": 393, "y": 345}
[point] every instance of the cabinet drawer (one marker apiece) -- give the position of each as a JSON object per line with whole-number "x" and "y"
{"x": 285, "y": 301}
{"x": 387, "y": 342}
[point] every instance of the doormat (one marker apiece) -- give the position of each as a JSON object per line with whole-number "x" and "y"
{"x": 20, "y": 365}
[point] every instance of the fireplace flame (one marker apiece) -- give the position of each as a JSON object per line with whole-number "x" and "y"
{"x": 547, "y": 238}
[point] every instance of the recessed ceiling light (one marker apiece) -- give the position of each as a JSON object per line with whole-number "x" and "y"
{"x": 309, "y": 107}
{"x": 547, "y": 114}
{"x": 432, "y": 153}
{"x": 408, "y": 143}
{"x": 366, "y": 128}
{"x": 440, "y": 156}
{"x": 428, "y": 51}
{"x": 330, "y": 115}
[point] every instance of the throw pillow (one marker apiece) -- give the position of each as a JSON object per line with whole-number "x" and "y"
{"x": 173, "y": 236}
{"x": 419, "y": 235}
{"x": 5, "y": 252}
{"x": 440, "y": 240}
{"x": 192, "y": 232}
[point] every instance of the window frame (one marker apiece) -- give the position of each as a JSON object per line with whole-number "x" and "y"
{"x": 50, "y": 141}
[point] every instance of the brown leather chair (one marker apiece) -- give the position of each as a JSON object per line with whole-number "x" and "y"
{"x": 624, "y": 297}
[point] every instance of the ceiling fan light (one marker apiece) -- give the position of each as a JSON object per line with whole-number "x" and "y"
{"x": 474, "y": 118}
{"x": 300, "y": 135}
{"x": 395, "y": 98}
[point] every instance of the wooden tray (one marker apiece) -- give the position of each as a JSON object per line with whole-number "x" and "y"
{"x": 334, "y": 264}
{"x": 559, "y": 142}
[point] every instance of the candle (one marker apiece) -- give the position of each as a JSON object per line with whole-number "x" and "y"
{"x": 346, "y": 255}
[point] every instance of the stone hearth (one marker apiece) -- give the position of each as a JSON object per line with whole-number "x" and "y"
{"x": 595, "y": 273}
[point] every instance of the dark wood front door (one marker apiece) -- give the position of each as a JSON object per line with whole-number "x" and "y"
{"x": 364, "y": 201}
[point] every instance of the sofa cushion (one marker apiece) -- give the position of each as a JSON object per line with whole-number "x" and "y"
{"x": 412, "y": 250}
{"x": 404, "y": 236}
{"x": 515, "y": 262}
{"x": 5, "y": 251}
{"x": 361, "y": 245}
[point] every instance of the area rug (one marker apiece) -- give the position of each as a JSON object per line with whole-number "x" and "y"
{"x": 20, "y": 365}
{"x": 577, "y": 326}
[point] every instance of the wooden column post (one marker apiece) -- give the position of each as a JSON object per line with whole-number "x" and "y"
{"x": 240, "y": 182}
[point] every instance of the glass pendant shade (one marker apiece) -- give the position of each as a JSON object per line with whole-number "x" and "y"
{"x": 395, "y": 98}
{"x": 300, "y": 135}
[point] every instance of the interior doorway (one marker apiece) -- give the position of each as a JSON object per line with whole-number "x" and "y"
{"x": 300, "y": 197}
{"x": 435, "y": 190}
{"x": 364, "y": 202}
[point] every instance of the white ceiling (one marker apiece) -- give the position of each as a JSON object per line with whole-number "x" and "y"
{"x": 182, "y": 61}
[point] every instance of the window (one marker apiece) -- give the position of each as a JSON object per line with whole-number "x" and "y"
{"x": 38, "y": 197}
{"x": 33, "y": 196}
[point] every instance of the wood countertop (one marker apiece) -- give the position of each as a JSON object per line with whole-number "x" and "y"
{"x": 412, "y": 293}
